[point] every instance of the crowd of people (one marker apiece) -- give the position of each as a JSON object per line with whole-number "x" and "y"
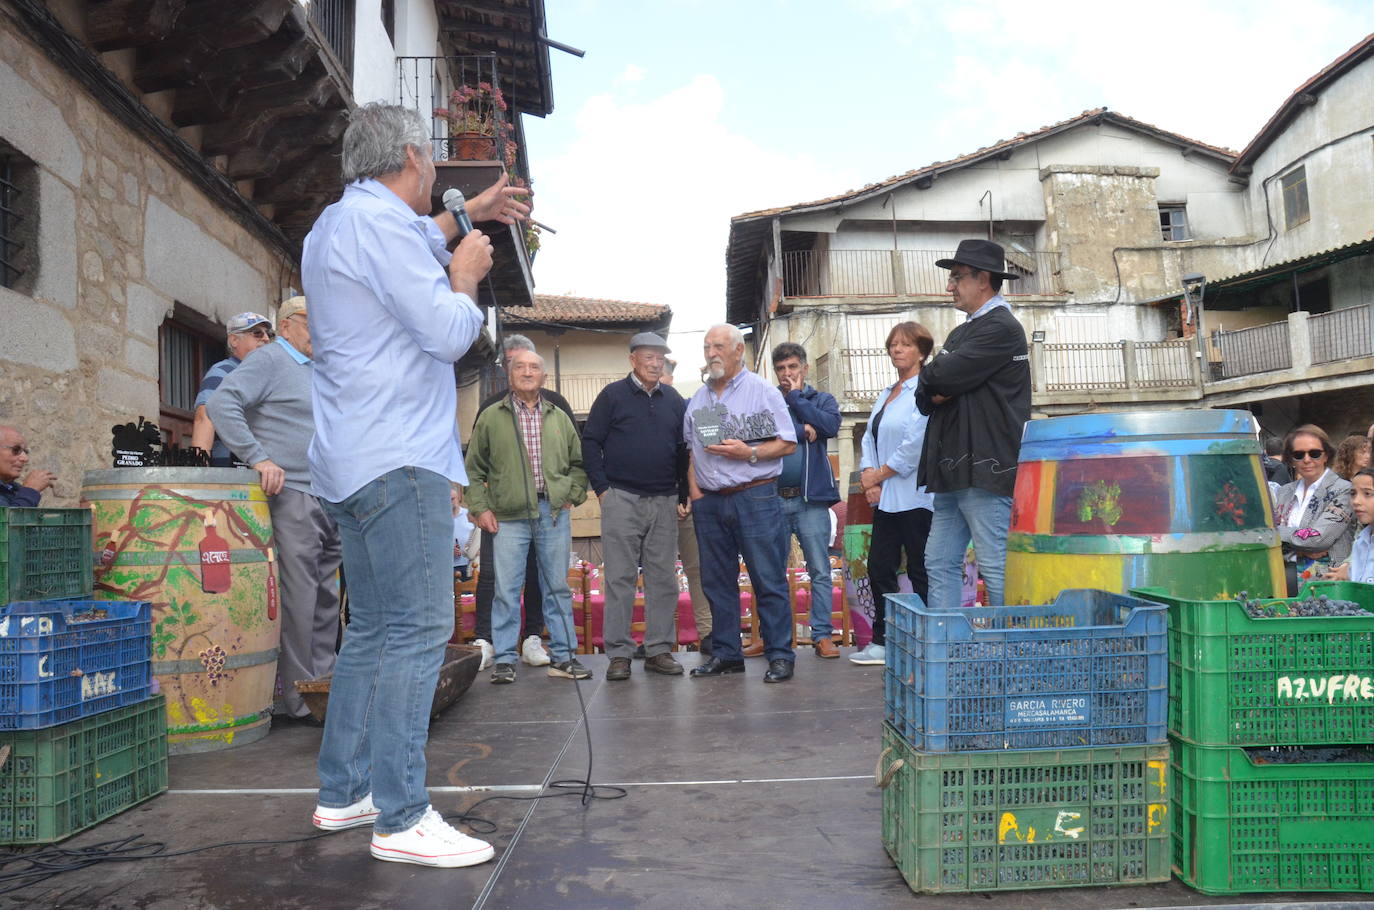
{"x": 347, "y": 415}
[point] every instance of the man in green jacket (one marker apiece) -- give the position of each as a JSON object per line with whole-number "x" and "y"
{"x": 525, "y": 468}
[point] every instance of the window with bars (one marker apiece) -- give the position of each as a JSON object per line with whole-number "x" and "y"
{"x": 1173, "y": 222}
{"x": 18, "y": 220}
{"x": 1295, "y": 210}
{"x": 188, "y": 345}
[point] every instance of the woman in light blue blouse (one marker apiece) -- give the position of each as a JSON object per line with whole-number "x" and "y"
{"x": 891, "y": 453}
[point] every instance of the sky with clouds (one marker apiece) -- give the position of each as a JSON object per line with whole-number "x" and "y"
{"x": 686, "y": 112}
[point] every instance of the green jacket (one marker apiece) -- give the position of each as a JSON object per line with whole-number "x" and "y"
{"x": 499, "y": 476}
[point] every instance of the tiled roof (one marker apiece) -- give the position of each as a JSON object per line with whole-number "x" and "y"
{"x": 1302, "y": 97}
{"x": 1099, "y": 113}
{"x": 577, "y": 311}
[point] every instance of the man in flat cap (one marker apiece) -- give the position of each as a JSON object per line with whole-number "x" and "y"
{"x": 636, "y": 463}
{"x": 977, "y": 393}
{"x": 244, "y": 334}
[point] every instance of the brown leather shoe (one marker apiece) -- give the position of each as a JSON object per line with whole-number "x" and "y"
{"x": 754, "y": 649}
{"x": 619, "y": 668}
{"x": 825, "y": 647}
{"x": 663, "y": 663}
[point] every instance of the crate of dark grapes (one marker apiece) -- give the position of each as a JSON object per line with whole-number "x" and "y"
{"x": 1272, "y": 671}
{"x": 1089, "y": 669}
{"x": 1276, "y": 818}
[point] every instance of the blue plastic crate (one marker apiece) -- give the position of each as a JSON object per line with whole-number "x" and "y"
{"x": 1090, "y": 669}
{"x": 62, "y": 660}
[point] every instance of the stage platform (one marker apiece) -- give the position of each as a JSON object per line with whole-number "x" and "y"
{"x": 740, "y": 795}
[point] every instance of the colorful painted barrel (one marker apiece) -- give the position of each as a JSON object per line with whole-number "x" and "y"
{"x": 197, "y": 542}
{"x": 858, "y": 534}
{"x": 1115, "y": 501}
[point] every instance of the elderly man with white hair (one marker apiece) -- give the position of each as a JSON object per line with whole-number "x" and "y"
{"x": 739, "y": 429}
{"x": 525, "y": 461}
{"x": 391, "y": 312}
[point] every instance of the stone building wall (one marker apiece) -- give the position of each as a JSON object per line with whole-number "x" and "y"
{"x": 121, "y": 235}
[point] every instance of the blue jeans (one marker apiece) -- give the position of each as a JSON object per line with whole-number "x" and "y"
{"x": 551, "y": 536}
{"x": 749, "y": 524}
{"x": 810, "y": 521}
{"x": 397, "y": 534}
{"x": 970, "y": 513}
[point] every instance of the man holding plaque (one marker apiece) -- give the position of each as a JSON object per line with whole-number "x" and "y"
{"x": 739, "y": 430}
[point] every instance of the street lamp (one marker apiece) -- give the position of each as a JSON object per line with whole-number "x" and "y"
{"x": 1194, "y": 286}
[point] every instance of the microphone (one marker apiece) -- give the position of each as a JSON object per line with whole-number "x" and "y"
{"x": 454, "y": 202}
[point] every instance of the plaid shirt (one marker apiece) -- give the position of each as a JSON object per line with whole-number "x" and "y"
{"x": 531, "y": 429}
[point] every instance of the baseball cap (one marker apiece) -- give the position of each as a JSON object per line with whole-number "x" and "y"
{"x": 244, "y": 322}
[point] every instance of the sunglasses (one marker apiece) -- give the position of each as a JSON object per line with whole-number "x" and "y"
{"x": 1314, "y": 454}
{"x": 18, "y": 449}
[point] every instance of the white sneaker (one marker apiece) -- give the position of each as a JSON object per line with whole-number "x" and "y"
{"x": 360, "y": 813}
{"x": 431, "y": 842}
{"x": 488, "y": 652}
{"x": 874, "y": 655}
{"x": 532, "y": 652}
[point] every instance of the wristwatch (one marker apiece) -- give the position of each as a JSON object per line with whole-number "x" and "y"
{"x": 753, "y": 454}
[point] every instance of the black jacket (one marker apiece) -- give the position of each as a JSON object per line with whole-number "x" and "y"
{"x": 974, "y": 439}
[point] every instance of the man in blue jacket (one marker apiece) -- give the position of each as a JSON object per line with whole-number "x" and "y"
{"x": 807, "y": 485}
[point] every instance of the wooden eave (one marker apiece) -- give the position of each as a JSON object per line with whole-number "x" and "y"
{"x": 510, "y": 31}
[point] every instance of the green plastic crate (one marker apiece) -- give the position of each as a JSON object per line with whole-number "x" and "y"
{"x": 1244, "y": 826}
{"x": 1013, "y": 820}
{"x": 1234, "y": 680}
{"x": 64, "y": 779}
{"x": 45, "y": 554}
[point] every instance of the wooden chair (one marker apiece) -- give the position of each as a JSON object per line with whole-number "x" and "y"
{"x": 801, "y": 616}
{"x": 581, "y": 608}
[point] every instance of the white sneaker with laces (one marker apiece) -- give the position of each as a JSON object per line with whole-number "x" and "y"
{"x": 874, "y": 655}
{"x": 431, "y": 842}
{"x": 363, "y": 812}
{"x": 532, "y": 652}
{"x": 488, "y": 653}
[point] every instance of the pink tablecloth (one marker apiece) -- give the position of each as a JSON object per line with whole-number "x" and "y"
{"x": 686, "y": 621}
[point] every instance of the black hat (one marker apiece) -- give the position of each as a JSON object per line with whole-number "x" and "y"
{"x": 983, "y": 255}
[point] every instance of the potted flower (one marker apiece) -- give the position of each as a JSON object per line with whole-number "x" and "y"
{"x": 476, "y": 122}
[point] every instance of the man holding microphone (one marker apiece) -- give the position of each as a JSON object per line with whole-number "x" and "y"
{"x": 391, "y": 312}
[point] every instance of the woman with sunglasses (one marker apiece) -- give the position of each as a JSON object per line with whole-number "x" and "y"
{"x": 1312, "y": 514}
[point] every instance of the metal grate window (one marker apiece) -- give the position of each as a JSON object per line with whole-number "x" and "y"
{"x": 334, "y": 19}
{"x": 11, "y": 199}
{"x": 1173, "y": 222}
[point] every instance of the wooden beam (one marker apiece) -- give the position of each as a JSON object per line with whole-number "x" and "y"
{"x": 130, "y": 23}
{"x": 258, "y": 111}
{"x": 486, "y": 6}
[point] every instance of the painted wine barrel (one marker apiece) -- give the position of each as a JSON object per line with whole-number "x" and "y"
{"x": 1114, "y": 501}
{"x": 197, "y": 543}
{"x": 858, "y": 534}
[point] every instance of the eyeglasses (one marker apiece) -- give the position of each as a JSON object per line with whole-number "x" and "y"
{"x": 18, "y": 449}
{"x": 1314, "y": 454}
{"x": 955, "y": 278}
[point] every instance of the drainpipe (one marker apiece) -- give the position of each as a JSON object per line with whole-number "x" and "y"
{"x": 988, "y": 196}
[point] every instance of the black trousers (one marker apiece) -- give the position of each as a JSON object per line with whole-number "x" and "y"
{"x": 533, "y": 623}
{"x": 895, "y": 533}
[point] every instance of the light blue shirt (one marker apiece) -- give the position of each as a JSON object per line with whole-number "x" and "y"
{"x": 387, "y": 329}
{"x": 901, "y": 436}
{"x": 994, "y": 303}
{"x": 1362, "y": 557}
{"x": 291, "y": 349}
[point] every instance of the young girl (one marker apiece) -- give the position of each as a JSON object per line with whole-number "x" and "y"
{"x": 1361, "y": 565}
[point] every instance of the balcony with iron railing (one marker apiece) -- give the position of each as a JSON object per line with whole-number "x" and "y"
{"x": 334, "y": 21}
{"x": 479, "y": 125}
{"x": 902, "y": 273}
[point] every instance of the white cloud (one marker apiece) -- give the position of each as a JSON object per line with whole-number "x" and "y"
{"x": 630, "y": 75}
{"x": 642, "y": 200}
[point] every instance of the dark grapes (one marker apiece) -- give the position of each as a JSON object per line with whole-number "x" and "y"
{"x": 1321, "y": 605}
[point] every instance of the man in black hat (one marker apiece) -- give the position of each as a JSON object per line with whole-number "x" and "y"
{"x": 636, "y": 462}
{"x": 977, "y": 393}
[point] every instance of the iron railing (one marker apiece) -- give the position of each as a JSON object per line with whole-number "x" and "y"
{"x": 867, "y": 371}
{"x": 1084, "y": 366}
{"x": 334, "y": 19}
{"x": 898, "y": 273}
{"x": 1259, "y": 349}
{"x": 1165, "y": 364}
{"x": 1340, "y": 334}
{"x": 428, "y": 85}
{"x": 10, "y": 245}
{"x": 581, "y": 389}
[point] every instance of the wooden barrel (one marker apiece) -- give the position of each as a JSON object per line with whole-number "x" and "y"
{"x": 1176, "y": 499}
{"x": 197, "y": 543}
{"x": 858, "y": 533}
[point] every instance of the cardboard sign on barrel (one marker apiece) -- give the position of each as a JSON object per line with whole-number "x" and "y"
{"x": 197, "y": 543}
{"x": 1176, "y": 499}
